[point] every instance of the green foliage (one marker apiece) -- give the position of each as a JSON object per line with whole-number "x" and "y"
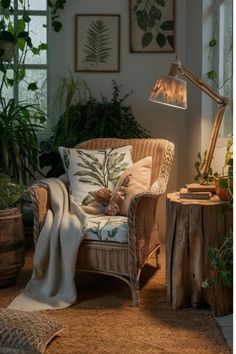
{"x": 56, "y": 6}
{"x": 207, "y": 177}
{"x": 97, "y": 48}
{"x": 149, "y": 18}
{"x": 10, "y": 193}
{"x": 88, "y": 119}
{"x": 18, "y": 140}
{"x": 16, "y": 33}
{"x": 221, "y": 263}
{"x": 212, "y": 74}
{"x": 229, "y": 156}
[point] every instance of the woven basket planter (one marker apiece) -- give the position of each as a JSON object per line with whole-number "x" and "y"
{"x": 11, "y": 245}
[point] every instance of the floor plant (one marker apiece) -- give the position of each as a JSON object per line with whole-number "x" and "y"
{"x": 87, "y": 117}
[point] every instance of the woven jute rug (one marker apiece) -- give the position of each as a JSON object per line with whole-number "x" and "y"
{"x": 103, "y": 320}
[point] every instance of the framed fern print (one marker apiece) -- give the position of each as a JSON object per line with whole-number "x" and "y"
{"x": 152, "y": 26}
{"x": 97, "y": 43}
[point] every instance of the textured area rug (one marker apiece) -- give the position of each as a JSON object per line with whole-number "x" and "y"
{"x": 102, "y": 320}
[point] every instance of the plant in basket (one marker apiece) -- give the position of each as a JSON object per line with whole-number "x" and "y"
{"x": 10, "y": 192}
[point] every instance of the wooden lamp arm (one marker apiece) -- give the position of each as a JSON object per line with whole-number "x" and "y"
{"x": 221, "y": 101}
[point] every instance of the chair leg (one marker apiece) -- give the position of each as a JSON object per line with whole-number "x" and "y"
{"x": 135, "y": 297}
{"x": 135, "y": 289}
{"x": 158, "y": 264}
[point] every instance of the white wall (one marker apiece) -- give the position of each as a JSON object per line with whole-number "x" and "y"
{"x": 139, "y": 72}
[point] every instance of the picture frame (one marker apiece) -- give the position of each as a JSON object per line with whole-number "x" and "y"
{"x": 152, "y": 26}
{"x": 97, "y": 43}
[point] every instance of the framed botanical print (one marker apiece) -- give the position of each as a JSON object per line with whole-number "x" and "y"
{"x": 97, "y": 43}
{"x": 152, "y": 26}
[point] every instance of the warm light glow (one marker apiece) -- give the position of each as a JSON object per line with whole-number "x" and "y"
{"x": 170, "y": 91}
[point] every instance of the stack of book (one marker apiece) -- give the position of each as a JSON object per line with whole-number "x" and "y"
{"x": 197, "y": 191}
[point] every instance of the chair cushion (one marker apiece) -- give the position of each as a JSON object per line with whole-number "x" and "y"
{"x": 90, "y": 170}
{"x": 107, "y": 228}
{"x": 26, "y": 332}
{"x": 135, "y": 179}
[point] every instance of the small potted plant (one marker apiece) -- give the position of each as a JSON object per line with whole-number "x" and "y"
{"x": 11, "y": 231}
{"x": 224, "y": 181}
{"x": 218, "y": 287}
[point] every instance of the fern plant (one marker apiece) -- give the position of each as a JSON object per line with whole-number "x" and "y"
{"x": 97, "y": 48}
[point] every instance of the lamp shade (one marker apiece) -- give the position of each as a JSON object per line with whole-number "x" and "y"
{"x": 170, "y": 91}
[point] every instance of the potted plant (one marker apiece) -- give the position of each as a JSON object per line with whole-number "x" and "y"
{"x": 218, "y": 287}
{"x": 19, "y": 123}
{"x": 224, "y": 181}
{"x": 88, "y": 118}
{"x": 11, "y": 231}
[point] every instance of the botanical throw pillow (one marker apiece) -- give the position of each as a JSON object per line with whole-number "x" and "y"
{"x": 91, "y": 170}
{"x": 135, "y": 179}
{"x": 26, "y": 332}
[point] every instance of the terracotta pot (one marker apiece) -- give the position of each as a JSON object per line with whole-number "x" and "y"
{"x": 224, "y": 187}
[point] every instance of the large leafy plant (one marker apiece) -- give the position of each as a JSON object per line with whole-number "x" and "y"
{"x": 18, "y": 141}
{"x": 90, "y": 118}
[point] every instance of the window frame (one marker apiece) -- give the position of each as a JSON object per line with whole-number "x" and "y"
{"x": 18, "y": 12}
{"x": 219, "y": 59}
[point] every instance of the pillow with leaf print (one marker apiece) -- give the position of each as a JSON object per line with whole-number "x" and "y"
{"x": 91, "y": 170}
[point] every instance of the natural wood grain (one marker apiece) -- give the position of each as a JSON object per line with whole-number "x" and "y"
{"x": 192, "y": 227}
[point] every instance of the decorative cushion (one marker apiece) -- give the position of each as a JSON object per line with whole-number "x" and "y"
{"x": 26, "y": 332}
{"x": 113, "y": 207}
{"x": 136, "y": 179}
{"x": 107, "y": 228}
{"x": 90, "y": 170}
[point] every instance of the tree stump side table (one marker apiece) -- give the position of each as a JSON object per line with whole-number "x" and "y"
{"x": 192, "y": 227}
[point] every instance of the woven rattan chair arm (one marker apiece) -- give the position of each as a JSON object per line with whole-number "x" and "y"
{"x": 143, "y": 226}
{"x": 40, "y": 197}
{"x": 41, "y": 203}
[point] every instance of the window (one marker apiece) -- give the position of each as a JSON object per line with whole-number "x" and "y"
{"x": 224, "y": 58}
{"x": 36, "y": 66}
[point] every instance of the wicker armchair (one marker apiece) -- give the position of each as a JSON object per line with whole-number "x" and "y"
{"x": 124, "y": 261}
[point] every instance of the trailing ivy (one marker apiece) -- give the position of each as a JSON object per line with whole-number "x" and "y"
{"x": 56, "y": 6}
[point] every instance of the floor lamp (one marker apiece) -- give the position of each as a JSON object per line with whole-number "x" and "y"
{"x": 172, "y": 91}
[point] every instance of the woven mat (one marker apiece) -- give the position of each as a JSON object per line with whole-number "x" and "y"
{"x": 102, "y": 321}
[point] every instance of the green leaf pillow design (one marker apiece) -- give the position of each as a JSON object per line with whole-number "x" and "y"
{"x": 90, "y": 170}
{"x": 104, "y": 228}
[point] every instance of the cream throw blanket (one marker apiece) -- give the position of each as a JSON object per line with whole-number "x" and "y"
{"x": 52, "y": 283}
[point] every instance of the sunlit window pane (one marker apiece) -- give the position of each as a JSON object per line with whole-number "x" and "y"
{"x": 34, "y": 4}
{"x": 40, "y": 96}
{"x": 38, "y": 35}
{"x": 226, "y": 60}
{"x": 7, "y": 90}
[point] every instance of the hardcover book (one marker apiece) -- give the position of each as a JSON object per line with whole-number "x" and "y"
{"x": 196, "y": 187}
{"x": 185, "y": 194}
